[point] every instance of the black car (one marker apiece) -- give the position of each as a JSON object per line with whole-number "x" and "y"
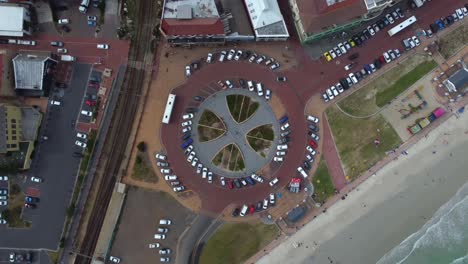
{"x": 363, "y": 37}
{"x": 186, "y": 135}
{"x": 237, "y": 183}
{"x": 377, "y": 64}
{"x": 242, "y": 83}
{"x": 366, "y": 32}
{"x": 236, "y": 212}
{"x": 344, "y": 83}
{"x": 191, "y": 110}
{"x": 434, "y": 28}
{"x": 3, "y": 41}
{"x": 198, "y": 98}
{"x": 66, "y": 28}
{"x": 357, "y": 40}
{"x": 380, "y": 24}
{"x": 196, "y": 65}
{"x": 353, "y": 56}
{"x": 259, "y": 206}
{"x": 358, "y": 75}
{"x": 247, "y": 54}
{"x": 385, "y": 20}
{"x": 281, "y": 79}
{"x": 313, "y": 128}
{"x": 307, "y": 165}
{"x": 60, "y": 85}
{"x": 56, "y": 43}
{"x": 77, "y": 154}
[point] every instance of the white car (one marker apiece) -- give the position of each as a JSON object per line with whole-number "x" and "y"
{"x": 81, "y": 135}
{"x": 265, "y": 204}
{"x": 187, "y": 71}
{"x": 416, "y": 40}
{"x": 36, "y": 179}
{"x": 371, "y": 30}
{"x": 231, "y": 54}
{"x": 210, "y": 177}
{"x": 222, "y": 56}
{"x": 275, "y": 66}
{"x": 309, "y": 157}
{"x": 332, "y": 54}
{"x": 3, "y": 203}
{"x": 339, "y": 87}
{"x": 86, "y": 113}
{"x": 329, "y": 94}
{"x": 459, "y": 13}
{"x": 159, "y": 236}
{"x": 272, "y": 198}
{"x": 163, "y": 230}
{"x": 204, "y": 172}
{"x": 54, "y": 102}
{"x": 285, "y": 126}
{"x": 102, "y": 46}
{"x": 273, "y": 182}
{"x": 282, "y": 147}
{"x": 178, "y": 188}
{"x": 342, "y": 48}
{"x": 280, "y": 153}
{"x": 314, "y": 137}
{"x": 186, "y": 123}
{"x": 278, "y": 159}
{"x": 165, "y": 222}
{"x": 114, "y": 259}
{"x": 223, "y": 181}
{"x": 313, "y": 119}
{"x": 170, "y": 177}
{"x": 238, "y": 55}
{"x": 252, "y": 58}
{"x": 353, "y": 78}
{"x": 390, "y": 18}
{"x": 165, "y": 171}
{"x": 160, "y": 156}
{"x": 164, "y": 251}
{"x": 209, "y": 58}
{"x": 80, "y": 144}
{"x": 348, "y": 66}
{"x": 259, "y": 89}
{"x": 191, "y": 157}
{"x": 3, "y": 178}
{"x": 186, "y": 129}
{"x": 62, "y": 50}
{"x": 334, "y": 91}
{"x": 154, "y": 245}
{"x": 63, "y": 21}
{"x": 311, "y": 150}
{"x": 387, "y": 57}
{"x": 251, "y": 86}
{"x": 199, "y": 168}
{"x": 229, "y": 84}
{"x": 257, "y": 178}
{"x": 164, "y": 259}
{"x": 260, "y": 59}
{"x": 187, "y": 116}
{"x": 194, "y": 162}
{"x": 267, "y": 94}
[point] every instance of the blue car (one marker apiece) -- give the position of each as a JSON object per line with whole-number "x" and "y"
{"x": 440, "y": 24}
{"x": 283, "y": 119}
{"x": 250, "y": 180}
{"x": 92, "y": 23}
{"x": 30, "y": 199}
{"x": 186, "y": 143}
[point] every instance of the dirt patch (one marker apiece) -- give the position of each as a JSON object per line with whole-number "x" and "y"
{"x": 454, "y": 41}
{"x": 142, "y": 169}
{"x": 229, "y": 158}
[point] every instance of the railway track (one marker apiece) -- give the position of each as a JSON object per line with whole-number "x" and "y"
{"x": 121, "y": 125}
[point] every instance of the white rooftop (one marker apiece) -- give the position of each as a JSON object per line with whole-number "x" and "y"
{"x": 11, "y": 20}
{"x": 266, "y": 17}
{"x": 375, "y": 3}
{"x": 188, "y": 9}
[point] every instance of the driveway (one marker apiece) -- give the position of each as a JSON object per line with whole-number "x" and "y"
{"x": 55, "y": 164}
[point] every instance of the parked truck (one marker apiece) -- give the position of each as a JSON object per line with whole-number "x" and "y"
{"x": 67, "y": 58}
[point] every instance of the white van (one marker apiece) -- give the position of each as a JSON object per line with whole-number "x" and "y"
{"x": 244, "y": 210}
{"x": 67, "y": 58}
{"x": 259, "y": 89}
{"x": 84, "y": 6}
{"x": 302, "y": 172}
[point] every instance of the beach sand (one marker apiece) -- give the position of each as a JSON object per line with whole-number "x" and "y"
{"x": 386, "y": 208}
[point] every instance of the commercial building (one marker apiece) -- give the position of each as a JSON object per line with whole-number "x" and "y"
{"x": 318, "y": 19}
{"x": 267, "y": 20}
{"x": 192, "y": 22}
{"x": 32, "y": 73}
{"x": 19, "y": 127}
{"x": 15, "y": 20}
{"x": 458, "y": 81}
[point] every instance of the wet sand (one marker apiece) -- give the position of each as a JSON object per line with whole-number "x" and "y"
{"x": 386, "y": 208}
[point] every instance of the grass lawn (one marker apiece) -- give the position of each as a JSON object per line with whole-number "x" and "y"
{"x": 323, "y": 185}
{"x": 263, "y": 132}
{"x": 15, "y": 207}
{"x": 229, "y": 158}
{"x": 368, "y": 99}
{"x": 241, "y": 107}
{"x": 355, "y": 140}
{"x": 208, "y": 133}
{"x": 210, "y": 119}
{"x": 235, "y": 242}
{"x": 452, "y": 42}
{"x": 142, "y": 170}
{"x": 259, "y": 145}
{"x": 385, "y": 96}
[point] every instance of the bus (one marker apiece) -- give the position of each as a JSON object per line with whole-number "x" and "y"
{"x": 169, "y": 106}
{"x": 408, "y": 22}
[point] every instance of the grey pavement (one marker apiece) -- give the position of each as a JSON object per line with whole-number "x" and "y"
{"x": 54, "y": 163}
{"x": 190, "y": 238}
{"x": 235, "y": 133}
{"x": 37, "y": 256}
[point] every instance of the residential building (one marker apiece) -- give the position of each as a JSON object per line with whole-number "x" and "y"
{"x": 458, "y": 81}
{"x": 267, "y": 20}
{"x": 32, "y": 73}
{"x": 15, "y": 20}
{"x": 19, "y": 127}
{"x": 318, "y": 19}
{"x": 192, "y": 22}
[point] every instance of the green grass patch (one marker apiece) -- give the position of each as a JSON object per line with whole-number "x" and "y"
{"x": 235, "y": 242}
{"x": 355, "y": 140}
{"x": 210, "y": 119}
{"x": 142, "y": 169}
{"x": 259, "y": 145}
{"x": 363, "y": 103}
{"x": 229, "y": 158}
{"x": 241, "y": 107}
{"x": 207, "y": 133}
{"x": 263, "y": 132}
{"x": 323, "y": 185}
{"x": 53, "y": 256}
{"x": 15, "y": 207}
{"x": 386, "y": 96}
{"x": 453, "y": 41}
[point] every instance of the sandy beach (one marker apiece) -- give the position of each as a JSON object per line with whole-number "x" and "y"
{"x": 391, "y": 205}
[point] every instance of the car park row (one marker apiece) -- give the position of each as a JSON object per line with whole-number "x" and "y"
{"x": 359, "y": 39}
{"x": 447, "y": 21}
{"x": 164, "y": 168}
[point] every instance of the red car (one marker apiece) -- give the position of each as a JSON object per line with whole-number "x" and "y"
{"x": 313, "y": 144}
{"x": 90, "y": 103}
{"x": 382, "y": 59}
{"x": 221, "y": 83}
{"x": 229, "y": 184}
{"x": 251, "y": 209}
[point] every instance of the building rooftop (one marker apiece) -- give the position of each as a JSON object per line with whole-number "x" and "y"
{"x": 460, "y": 79}
{"x": 3, "y": 128}
{"x": 29, "y": 71}
{"x": 266, "y": 18}
{"x": 374, "y": 3}
{"x": 30, "y": 122}
{"x": 11, "y": 20}
{"x": 317, "y": 15}
{"x": 190, "y": 9}
{"x": 201, "y": 26}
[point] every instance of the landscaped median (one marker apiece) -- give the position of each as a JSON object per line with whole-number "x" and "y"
{"x": 233, "y": 243}
{"x": 361, "y": 142}
{"x": 377, "y": 93}
{"x": 323, "y": 185}
{"x": 453, "y": 41}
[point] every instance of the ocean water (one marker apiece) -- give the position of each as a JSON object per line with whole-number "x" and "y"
{"x": 443, "y": 239}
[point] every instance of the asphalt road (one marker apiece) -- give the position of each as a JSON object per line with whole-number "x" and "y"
{"x": 54, "y": 163}
{"x": 191, "y": 237}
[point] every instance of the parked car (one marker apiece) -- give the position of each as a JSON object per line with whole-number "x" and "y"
{"x": 80, "y": 144}
{"x": 159, "y": 236}
{"x": 222, "y": 55}
{"x": 231, "y": 54}
{"x": 313, "y": 119}
{"x": 273, "y": 182}
{"x": 165, "y": 222}
{"x": 63, "y": 21}
{"x": 114, "y": 259}
{"x": 102, "y": 46}
{"x": 36, "y": 179}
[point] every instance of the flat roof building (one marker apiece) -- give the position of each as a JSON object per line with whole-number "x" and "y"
{"x": 267, "y": 20}
{"x": 15, "y": 21}
{"x": 32, "y": 72}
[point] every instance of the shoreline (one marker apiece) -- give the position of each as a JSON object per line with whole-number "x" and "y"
{"x": 400, "y": 182}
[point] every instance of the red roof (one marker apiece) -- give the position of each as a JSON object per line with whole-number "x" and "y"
{"x": 316, "y": 15}
{"x": 197, "y": 26}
